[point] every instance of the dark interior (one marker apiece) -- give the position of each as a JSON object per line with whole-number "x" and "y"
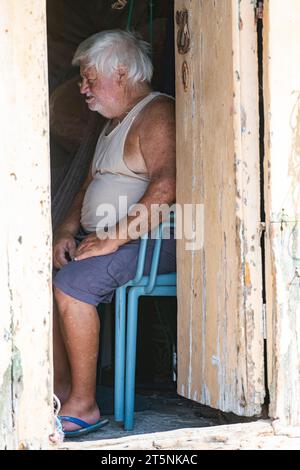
{"x": 74, "y": 131}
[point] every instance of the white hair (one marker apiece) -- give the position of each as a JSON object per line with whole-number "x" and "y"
{"x": 111, "y": 49}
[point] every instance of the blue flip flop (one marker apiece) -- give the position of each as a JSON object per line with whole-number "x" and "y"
{"x": 85, "y": 428}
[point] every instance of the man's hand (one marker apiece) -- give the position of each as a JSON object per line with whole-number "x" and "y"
{"x": 64, "y": 243}
{"x": 94, "y": 246}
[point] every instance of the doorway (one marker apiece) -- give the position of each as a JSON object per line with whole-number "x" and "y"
{"x": 220, "y": 330}
{"x": 74, "y": 132}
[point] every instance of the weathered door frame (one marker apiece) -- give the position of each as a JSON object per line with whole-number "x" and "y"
{"x": 26, "y": 390}
{"x": 281, "y": 38}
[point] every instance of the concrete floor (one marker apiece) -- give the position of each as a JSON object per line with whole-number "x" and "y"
{"x": 165, "y": 413}
{"x": 173, "y": 423}
{"x": 178, "y": 424}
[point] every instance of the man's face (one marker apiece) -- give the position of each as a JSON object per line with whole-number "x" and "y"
{"x": 103, "y": 94}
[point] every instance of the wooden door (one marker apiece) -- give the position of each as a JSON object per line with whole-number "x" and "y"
{"x": 220, "y": 321}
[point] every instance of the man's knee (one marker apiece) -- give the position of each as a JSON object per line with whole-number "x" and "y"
{"x": 63, "y": 300}
{"x": 81, "y": 281}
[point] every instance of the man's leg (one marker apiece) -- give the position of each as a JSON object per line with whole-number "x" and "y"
{"x": 62, "y": 373}
{"x": 93, "y": 281}
{"x": 80, "y": 327}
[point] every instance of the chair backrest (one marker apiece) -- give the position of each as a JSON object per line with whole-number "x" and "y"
{"x": 158, "y": 236}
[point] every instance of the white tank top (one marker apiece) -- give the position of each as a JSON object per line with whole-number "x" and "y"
{"x": 114, "y": 187}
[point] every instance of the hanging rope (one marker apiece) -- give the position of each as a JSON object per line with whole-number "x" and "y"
{"x": 119, "y": 5}
{"x": 57, "y": 436}
{"x": 150, "y": 25}
{"x": 130, "y": 15}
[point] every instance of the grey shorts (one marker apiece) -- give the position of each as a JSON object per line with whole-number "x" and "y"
{"x": 94, "y": 280}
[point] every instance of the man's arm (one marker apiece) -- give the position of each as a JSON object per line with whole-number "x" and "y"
{"x": 156, "y": 133}
{"x": 157, "y": 141}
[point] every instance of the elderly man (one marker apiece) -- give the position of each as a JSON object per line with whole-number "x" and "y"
{"x": 134, "y": 159}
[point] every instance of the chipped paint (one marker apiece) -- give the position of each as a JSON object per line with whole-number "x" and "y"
{"x": 5, "y": 390}
{"x": 282, "y": 195}
{"x": 204, "y": 318}
{"x": 215, "y": 360}
{"x": 205, "y": 395}
{"x": 190, "y": 342}
{"x": 243, "y": 121}
{"x": 247, "y": 276}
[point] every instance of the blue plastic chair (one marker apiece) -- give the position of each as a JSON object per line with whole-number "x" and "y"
{"x": 155, "y": 285}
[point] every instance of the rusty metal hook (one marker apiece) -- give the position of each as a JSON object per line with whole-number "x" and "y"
{"x": 183, "y": 33}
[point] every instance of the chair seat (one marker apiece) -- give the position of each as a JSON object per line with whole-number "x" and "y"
{"x": 168, "y": 279}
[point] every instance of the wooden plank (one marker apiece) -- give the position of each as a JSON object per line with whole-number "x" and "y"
{"x": 252, "y": 436}
{"x": 220, "y": 331}
{"x": 25, "y": 322}
{"x": 282, "y": 153}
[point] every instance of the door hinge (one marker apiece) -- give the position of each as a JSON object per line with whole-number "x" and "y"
{"x": 264, "y": 320}
{"x": 259, "y": 11}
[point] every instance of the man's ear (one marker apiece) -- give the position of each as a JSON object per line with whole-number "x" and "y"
{"x": 122, "y": 75}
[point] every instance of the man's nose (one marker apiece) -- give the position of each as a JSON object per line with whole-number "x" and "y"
{"x": 83, "y": 86}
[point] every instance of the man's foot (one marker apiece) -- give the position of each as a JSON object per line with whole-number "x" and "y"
{"x": 78, "y": 409}
{"x": 84, "y": 427}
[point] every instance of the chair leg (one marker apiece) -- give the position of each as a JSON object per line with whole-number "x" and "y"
{"x": 132, "y": 316}
{"x": 120, "y": 352}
